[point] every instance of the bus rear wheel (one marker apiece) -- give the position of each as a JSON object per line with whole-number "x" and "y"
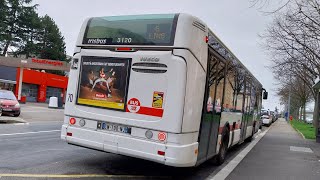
{"x": 251, "y": 137}
{"x": 219, "y": 159}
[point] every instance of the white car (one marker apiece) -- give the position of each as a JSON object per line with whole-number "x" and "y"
{"x": 309, "y": 120}
{"x": 266, "y": 117}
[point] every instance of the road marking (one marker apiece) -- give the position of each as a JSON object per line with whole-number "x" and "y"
{"x": 35, "y": 132}
{"x": 20, "y": 124}
{"x": 34, "y": 111}
{"x": 46, "y": 108}
{"x": 80, "y": 176}
{"x": 224, "y": 172}
{"x": 300, "y": 149}
{"x": 37, "y": 122}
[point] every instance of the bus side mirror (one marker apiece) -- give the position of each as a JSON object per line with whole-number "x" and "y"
{"x": 265, "y": 95}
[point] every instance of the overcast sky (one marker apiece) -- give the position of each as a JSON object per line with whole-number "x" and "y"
{"x": 233, "y": 21}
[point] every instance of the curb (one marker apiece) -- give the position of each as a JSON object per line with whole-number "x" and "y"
{"x": 300, "y": 133}
{"x": 297, "y": 131}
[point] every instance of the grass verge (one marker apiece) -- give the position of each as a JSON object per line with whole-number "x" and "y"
{"x": 306, "y": 129}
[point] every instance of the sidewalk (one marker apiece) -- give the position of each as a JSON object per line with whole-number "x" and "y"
{"x": 281, "y": 154}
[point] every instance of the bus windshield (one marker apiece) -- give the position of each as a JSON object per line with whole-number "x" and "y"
{"x": 131, "y": 30}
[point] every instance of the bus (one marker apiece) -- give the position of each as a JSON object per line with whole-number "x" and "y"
{"x": 160, "y": 87}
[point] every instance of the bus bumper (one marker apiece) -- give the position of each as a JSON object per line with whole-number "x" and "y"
{"x": 175, "y": 154}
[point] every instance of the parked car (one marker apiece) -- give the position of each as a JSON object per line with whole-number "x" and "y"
{"x": 309, "y": 120}
{"x": 9, "y": 103}
{"x": 273, "y": 116}
{"x": 266, "y": 117}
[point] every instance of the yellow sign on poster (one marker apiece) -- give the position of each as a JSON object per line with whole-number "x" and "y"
{"x": 101, "y": 103}
{"x": 157, "y": 99}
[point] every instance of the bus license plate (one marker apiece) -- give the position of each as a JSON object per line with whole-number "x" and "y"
{"x": 114, "y": 127}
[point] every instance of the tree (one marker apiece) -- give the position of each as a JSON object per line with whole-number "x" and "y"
{"x": 3, "y": 12}
{"x": 12, "y": 13}
{"x": 277, "y": 5}
{"x": 52, "y": 45}
{"x": 30, "y": 31}
{"x": 293, "y": 40}
{"x": 300, "y": 96}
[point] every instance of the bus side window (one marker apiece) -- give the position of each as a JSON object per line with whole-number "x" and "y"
{"x": 238, "y": 89}
{"x": 229, "y": 92}
{"x": 209, "y": 105}
{"x": 216, "y": 83}
{"x": 220, "y": 88}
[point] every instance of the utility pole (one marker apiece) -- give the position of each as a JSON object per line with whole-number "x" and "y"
{"x": 289, "y": 103}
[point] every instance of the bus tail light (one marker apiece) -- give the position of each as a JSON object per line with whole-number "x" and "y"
{"x": 161, "y": 153}
{"x": 162, "y": 136}
{"x": 72, "y": 121}
{"x": 69, "y": 134}
{"x": 124, "y": 49}
{"x": 207, "y": 39}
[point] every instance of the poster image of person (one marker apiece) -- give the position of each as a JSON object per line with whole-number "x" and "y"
{"x": 104, "y": 82}
{"x": 101, "y": 78}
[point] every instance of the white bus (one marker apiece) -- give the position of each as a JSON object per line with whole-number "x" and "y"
{"x": 158, "y": 87}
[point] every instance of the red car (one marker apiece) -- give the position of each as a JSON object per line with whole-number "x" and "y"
{"x": 9, "y": 103}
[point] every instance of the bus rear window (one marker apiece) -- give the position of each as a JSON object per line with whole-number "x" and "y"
{"x": 131, "y": 30}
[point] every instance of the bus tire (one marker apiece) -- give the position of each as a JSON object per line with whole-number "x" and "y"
{"x": 251, "y": 137}
{"x": 219, "y": 159}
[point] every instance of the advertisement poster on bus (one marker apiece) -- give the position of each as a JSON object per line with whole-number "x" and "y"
{"x": 104, "y": 82}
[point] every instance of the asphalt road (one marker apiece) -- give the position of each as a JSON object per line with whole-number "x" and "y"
{"x": 35, "y": 150}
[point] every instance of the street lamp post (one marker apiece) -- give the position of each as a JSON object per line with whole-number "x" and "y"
{"x": 289, "y": 104}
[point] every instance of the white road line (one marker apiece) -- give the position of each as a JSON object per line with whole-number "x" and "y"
{"x": 40, "y": 122}
{"x": 36, "y": 132}
{"x": 224, "y": 172}
{"x": 33, "y": 111}
{"x": 46, "y": 108}
{"x": 20, "y": 124}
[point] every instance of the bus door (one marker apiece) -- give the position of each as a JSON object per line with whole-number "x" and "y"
{"x": 212, "y": 106}
{"x": 246, "y": 110}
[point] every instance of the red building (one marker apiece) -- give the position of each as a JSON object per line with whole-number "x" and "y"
{"x": 40, "y": 86}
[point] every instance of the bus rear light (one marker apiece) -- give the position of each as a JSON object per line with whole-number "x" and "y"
{"x": 162, "y": 136}
{"x": 161, "y": 153}
{"x": 207, "y": 39}
{"x": 124, "y": 49}
{"x": 69, "y": 134}
{"x": 72, "y": 121}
